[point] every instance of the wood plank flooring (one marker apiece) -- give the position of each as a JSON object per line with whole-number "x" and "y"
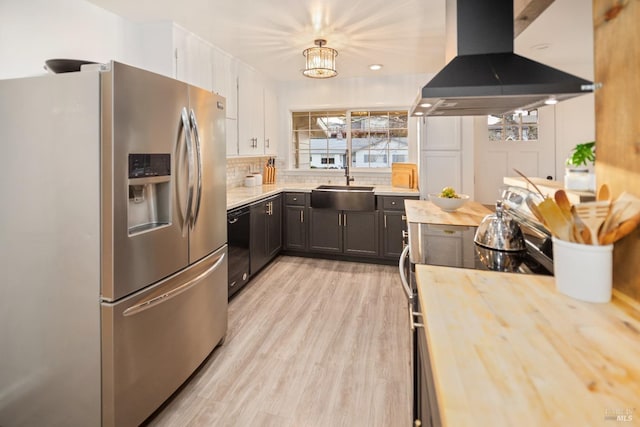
{"x": 311, "y": 343}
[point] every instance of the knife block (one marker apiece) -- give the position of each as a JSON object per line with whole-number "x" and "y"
{"x": 269, "y": 175}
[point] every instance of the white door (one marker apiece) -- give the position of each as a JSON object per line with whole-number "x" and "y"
{"x": 496, "y": 159}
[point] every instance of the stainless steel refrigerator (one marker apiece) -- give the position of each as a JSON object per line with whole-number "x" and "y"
{"x": 113, "y": 269}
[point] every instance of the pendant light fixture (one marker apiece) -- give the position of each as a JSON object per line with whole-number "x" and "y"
{"x": 320, "y": 61}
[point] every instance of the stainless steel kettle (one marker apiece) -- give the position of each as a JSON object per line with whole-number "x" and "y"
{"x": 498, "y": 231}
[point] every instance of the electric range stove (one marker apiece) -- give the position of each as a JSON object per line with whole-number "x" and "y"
{"x": 454, "y": 246}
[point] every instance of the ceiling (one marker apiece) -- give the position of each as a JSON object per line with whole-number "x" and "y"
{"x": 406, "y": 36}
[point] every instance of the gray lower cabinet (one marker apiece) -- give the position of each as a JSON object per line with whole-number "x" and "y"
{"x": 393, "y": 224}
{"x": 375, "y": 234}
{"x": 348, "y": 232}
{"x": 325, "y": 231}
{"x": 360, "y": 233}
{"x": 296, "y": 217}
{"x": 266, "y": 231}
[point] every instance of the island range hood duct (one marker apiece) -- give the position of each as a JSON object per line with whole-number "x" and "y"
{"x": 487, "y": 78}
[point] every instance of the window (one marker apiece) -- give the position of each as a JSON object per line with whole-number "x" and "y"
{"x": 328, "y": 161}
{"x": 320, "y": 140}
{"x": 519, "y": 126}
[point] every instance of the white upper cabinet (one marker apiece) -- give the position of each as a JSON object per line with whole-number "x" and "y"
{"x": 442, "y": 133}
{"x": 193, "y": 58}
{"x": 225, "y": 80}
{"x": 251, "y": 101}
{"x": 250, "y": 112}
{"x": 270, "y": 121}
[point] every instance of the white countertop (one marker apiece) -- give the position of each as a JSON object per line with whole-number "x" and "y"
{"x": 239, "y": 196}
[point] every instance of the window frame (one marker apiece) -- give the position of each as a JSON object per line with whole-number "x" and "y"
{"x": 294, "y": 152}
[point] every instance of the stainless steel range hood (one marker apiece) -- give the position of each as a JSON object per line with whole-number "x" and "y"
{"x": 487, "y": 77}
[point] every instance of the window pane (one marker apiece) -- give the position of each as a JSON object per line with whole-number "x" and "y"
{"x": 512, "y": 133}
{"x": 495, "y": 134}
{"x": 529, "y": 133}
{"x": 398, "y": 133}
{"x": 300, "y": 121}
{"x": 378, "y": 121}
{"x": 398, "y": 119}
{"x": 359, "y": 120}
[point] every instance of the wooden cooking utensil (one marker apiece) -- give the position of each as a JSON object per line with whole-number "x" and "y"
{"x": 581, "y": 233}
{"x": 555, "y": 220}
{"x": 593, "y": 215}
{"x": 620, "y": 231}
{"x": 564, "y": 204}
{"x": 603, "y": 193}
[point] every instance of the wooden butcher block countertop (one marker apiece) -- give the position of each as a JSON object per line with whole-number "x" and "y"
{"x": 508, "y": 350}
{"x": 423, "y": 211}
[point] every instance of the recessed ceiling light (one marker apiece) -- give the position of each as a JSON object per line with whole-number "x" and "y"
{"x": 375, "y": 67}
{"x": 418, "y": 113}
{"x": 425, "y": 105}
{"x": 551, "y": 101}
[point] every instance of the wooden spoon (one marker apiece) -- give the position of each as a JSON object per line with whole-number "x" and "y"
{"x": 603, "y": 193}
{"x": 555, "y": 220}
{"x": 564, "y": 204}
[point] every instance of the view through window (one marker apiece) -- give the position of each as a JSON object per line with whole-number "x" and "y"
{"x": 375, "y": 139}
{"x": 519, "y": 126}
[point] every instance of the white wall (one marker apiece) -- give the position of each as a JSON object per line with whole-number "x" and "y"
{"x": 367, "y": 93}
{"x": 36, "y": 30}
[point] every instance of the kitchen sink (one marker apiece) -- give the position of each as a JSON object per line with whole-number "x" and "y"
{"x": 343, "y": 198}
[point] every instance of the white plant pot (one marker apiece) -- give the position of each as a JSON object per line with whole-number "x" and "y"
{"x": 579, "y": 180}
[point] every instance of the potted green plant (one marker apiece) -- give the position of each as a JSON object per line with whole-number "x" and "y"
{"x": 579, "y": 173}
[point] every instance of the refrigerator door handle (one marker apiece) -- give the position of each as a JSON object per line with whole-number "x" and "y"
{"x": 187, "y": 138}
{"x": 196, "y": 135}
{"x": 151, "y": 302}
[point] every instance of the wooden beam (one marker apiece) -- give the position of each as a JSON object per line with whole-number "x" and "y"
{"x": 525, "y": 12}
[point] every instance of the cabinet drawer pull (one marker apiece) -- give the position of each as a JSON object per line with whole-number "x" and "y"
{"x": 412, "y": 315}
{"x": 345, "y": 220}
{"x": 301, "y": 216}
{"x": 385, "y": 221}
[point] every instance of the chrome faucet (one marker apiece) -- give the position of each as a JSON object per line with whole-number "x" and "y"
{"x": 346, "y": 168}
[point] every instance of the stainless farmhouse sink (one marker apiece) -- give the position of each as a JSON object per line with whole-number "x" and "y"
{"x": 343, "y": 197}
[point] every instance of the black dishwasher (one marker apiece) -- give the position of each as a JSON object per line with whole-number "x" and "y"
{"x": 238, "y": 239}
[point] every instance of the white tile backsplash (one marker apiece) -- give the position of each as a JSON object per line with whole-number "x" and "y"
{"x": 239, "y": 167}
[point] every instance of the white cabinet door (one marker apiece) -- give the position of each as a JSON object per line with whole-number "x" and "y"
{"x": 440, "y": 169}
{"x": 225, "y": 80}
{"x": 494, "y": 160}
{"x": 442, "y": 133}
{"x": 193, "y": 58}
{"x": 250, "y": 112}
{"x": 270, "y": 121}
{"x": 232, "y": 137}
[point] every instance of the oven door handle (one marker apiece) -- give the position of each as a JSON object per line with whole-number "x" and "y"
{"x": 403, "y": 276}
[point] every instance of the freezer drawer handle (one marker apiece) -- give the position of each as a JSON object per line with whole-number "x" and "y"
{"x": 173, "y": 292}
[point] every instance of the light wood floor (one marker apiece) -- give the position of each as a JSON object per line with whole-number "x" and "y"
{"x": 310, "y": 343}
